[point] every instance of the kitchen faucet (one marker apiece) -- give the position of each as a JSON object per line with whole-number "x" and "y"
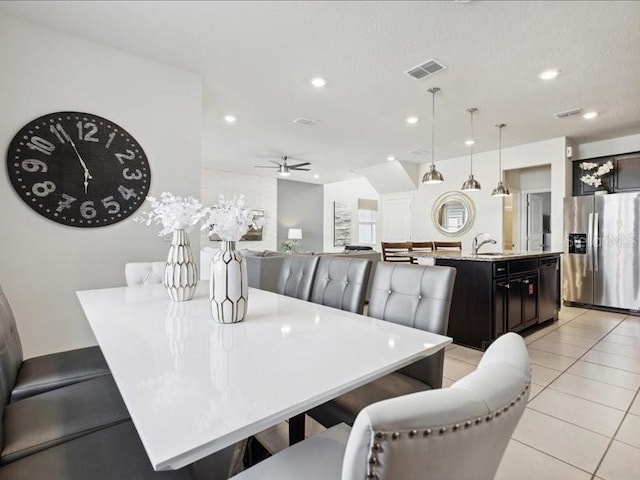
{"x": 475, "y": 245}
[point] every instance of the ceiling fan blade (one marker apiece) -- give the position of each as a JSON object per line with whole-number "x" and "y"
{"x": 300, "y": 165}
{"x": 264, "y": 166}
{"x": 300, "y": 169}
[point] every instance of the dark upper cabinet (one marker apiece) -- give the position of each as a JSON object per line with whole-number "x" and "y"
{"x": 628, "y": 176}
{"x": 625, "y": 176}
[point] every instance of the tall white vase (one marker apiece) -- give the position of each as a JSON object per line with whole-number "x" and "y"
{"x": 228, "y": 285}
{"x": 181, "y": 272}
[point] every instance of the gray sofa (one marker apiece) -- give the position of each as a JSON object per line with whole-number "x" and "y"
{"x": 263, "y": 268}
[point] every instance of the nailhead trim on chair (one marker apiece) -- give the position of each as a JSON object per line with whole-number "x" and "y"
{"x": 377, "y": 447}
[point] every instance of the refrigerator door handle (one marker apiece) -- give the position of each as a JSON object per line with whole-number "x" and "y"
{"x": 590, "y": 242}
{"x": 596, "y": 241}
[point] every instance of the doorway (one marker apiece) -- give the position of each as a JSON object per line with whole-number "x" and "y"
{"x": 527, "y": 213}
{"x": 535, "y": 220}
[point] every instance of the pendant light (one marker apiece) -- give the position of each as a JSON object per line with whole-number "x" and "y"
{"x": 471, "y": 183}
{"x": 433, "y": 175}
{"x": 500, "y": 190}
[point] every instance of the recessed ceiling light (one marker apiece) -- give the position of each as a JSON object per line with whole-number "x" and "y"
{"x": 318, "y": 82}
{"x": 391, "y": 158}
{"x": 412, "y": 120}
{"x": 469, "y": 142}
{"x": 230, "y": 119}
{"x": 590, "y": 115}
{"x": 548, "y": 74}
{"x": 316, "y": 176}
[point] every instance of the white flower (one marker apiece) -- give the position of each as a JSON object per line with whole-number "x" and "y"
{"x": 172, "y": 212}
{"x": 593, "y": 178}
{"x": 230, "y": 219}
{"x": 588, "y": 165}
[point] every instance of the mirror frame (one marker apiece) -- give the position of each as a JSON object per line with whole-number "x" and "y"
{"x": 460, "y": 197}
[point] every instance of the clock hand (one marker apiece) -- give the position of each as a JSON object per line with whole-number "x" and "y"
{"x": 84, "y": 165}
{"x": 86, "y": 180}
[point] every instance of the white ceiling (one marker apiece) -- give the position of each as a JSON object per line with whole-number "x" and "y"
{"x": 257, "y": 58}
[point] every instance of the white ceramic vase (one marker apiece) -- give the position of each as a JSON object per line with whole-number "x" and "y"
{"x": 228, "y": 285}
{"x": 181, "y": 272}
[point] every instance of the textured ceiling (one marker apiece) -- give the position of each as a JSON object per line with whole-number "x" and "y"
{"x": 257, "y": 58}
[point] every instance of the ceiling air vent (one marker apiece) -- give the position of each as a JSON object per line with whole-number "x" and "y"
{"x": 426, "y": 69}
{"x": 418, "y": 152}
{"x": 568, "y": 113}
{"x": 309, "y": 122}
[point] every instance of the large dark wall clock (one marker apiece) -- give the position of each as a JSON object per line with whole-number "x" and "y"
{"x": 78, "y": 169}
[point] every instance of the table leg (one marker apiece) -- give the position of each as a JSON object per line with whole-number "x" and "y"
{"x": 296, "y": 429}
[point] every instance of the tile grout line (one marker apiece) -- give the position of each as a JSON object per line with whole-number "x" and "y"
{"x": 551, "y": 456}
{"x": 613, "y": 438}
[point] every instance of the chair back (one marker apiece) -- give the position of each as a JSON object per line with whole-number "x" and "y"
{"x": 447, "y": 245}
{"x": 296, "y": 276}
{"x": 459, "y": 432}
{"x": 341, "y": 283}
{"x": 393, "y": 247}
{"x": 415, "y": 296}
{"x": 10, "y": 351}
{"x": 144, "y": 273}
{"x": 421, "y": 247}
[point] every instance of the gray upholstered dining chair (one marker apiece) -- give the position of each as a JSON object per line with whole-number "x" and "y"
{"x": 41, "y": 374}
{"x": 296, "y": 276}
{"x": 341, "y": 283}
{"x": 413, "y": 295}
{"x": 460, "y": 432}
{"x": 144, "y": 273}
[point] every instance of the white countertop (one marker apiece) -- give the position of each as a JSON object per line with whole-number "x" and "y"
{"x": 193, "y": 386}
{"x": 478, "y": 257}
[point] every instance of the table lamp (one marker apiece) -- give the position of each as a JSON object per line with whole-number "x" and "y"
{"x": 294, "y": 235}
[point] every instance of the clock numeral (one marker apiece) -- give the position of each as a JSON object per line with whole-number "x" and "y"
{"x": 126, "y": 193}
{"x": 59, "y": 132}
{"x": 91, "y": 128}
{"x": 43, "y": 189}
{"x": 41, "y": 145}
{"x": 87, "y": 210}
{"x": 66, "y": 202}
{"x": 110, "y": 203}
{"x": 32, "y": 165}
{"x": 131, "y": 176}
{"x": 130, "y": 155}
{"x": 111, "y": 136}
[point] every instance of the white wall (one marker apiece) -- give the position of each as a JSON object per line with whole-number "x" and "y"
{"x": 43, "y": 263}
{"x": 261, "y": 193}
{"x": 347, "y": 192}
{"x": 489, "y": 211}
{"x": 613, "y": 146}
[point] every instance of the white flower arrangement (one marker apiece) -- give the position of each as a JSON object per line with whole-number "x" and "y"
{"x": 173, "y": 213}
{"x": 594, "y": 178}
{"x": 230, "y": 219}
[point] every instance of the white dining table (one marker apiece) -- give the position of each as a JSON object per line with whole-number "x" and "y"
{"x": 194, "y": 387}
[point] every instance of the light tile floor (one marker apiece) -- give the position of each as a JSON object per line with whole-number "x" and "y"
{"x": 583, "y": 416}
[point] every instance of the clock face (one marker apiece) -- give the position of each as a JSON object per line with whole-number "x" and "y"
{"x": 78, "y": 169}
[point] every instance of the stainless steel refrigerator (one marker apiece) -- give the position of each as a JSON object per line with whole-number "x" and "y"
{"x": 601, "y": 260}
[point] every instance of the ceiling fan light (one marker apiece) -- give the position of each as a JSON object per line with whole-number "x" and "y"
{"x": 432, "y": 176}
{"x": 284, "y": 173}
{"x": 471, "y": 184}
{"x": 500, "y": 191}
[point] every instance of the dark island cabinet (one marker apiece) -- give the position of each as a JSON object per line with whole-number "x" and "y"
{"x": 492, "y": 298}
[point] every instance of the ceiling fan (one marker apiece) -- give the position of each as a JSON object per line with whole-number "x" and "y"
{"x": 284, "y": 169}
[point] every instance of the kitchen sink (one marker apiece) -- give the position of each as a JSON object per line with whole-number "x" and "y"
{"x": 492, "y": 254}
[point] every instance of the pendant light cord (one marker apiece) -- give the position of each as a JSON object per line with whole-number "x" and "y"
{"x": 500, "y": 151}
{"x": 471, "y": 111}
{"x": 433, "y": 127}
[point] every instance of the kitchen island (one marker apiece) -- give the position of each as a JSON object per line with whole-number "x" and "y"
{"x": 497, "y": 292}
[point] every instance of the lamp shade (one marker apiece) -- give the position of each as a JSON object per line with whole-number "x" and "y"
{"x": 295, "y": 234}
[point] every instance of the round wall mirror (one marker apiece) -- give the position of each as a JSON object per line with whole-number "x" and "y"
{"x": 453, "y": 214}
